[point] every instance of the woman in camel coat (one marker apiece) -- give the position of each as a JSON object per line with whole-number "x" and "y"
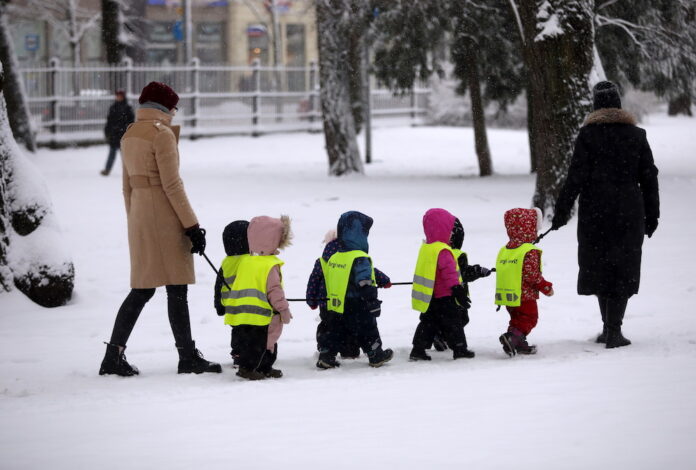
{"x": 163, "y": 231}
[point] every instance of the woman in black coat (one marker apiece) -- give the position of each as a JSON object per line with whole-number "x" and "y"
{"x": 613, "y": 172}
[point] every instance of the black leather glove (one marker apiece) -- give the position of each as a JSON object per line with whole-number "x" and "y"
{"x": 650, "y": 226}
{"x": 459, "y": 294}
{"x": 480, "y": 271}
{"x": 197, "y": 236}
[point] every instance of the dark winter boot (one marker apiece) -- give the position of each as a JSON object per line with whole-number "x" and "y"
{"x": 463, "y": 353}
{"x": 439, "y": 343}
{"x": 115, "y": 363}
{"x": 615, "y": 313}
{"x": 602, "y": 337}
{"x": 250, "y": 374}
{"x": 379, "y": 357}
{"x": 191, "y": 361}
{"x": 510, "y": 341}
{"x": 525, "y": 348}
{"x": 273, "y": 373}
{"x": 327, "y": 361}
{"x": 419, "y": 355}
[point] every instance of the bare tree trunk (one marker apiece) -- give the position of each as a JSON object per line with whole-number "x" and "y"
{"x": 111, "y": 31}
{"x": 333, "y": 28}
{"x": 5, "y": 272}
{"x": 477, "y": 111}
{"x": 355, "y": 76}
{"x": 558, "y": 54}
{"x": 17, "y": 108}
{"x": 680, "y": 105}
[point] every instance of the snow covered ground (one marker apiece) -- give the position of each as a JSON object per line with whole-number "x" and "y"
{"x": 574, "y": 405}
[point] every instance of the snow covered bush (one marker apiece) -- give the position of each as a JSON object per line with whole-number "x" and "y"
{"x": 32, "y": 257}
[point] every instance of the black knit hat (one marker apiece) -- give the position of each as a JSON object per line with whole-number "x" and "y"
{"x": 234, "y": 238}
{"x": 606, "y": 95}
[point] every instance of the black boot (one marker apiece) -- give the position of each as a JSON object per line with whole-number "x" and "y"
{"x": 419, "y": 355}
{"x": 614, "y": 319}
{"x": 115, "y": 362}
{"x": 379, "y": 357}
{"x": 250, "y": 374}
{"x": 191, "y": 361}
{"x": 327, "y": 360}
{"x": 272, "y": 373}
{"x": 602, "y": 338}
{"x": 463, "y": 353}
{"x": 439, "y": 343}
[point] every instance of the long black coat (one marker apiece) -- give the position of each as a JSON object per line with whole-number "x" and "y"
{"x": 119, "y": 118}
{"x": 613, "y": 172}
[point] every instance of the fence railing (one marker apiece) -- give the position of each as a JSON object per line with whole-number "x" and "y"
{"x": 70, "y": 104}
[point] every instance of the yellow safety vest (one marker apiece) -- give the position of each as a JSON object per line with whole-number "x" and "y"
{"x": 508, "y": 274}
{"x": 457, "y": 253}
{"x": 247, "y": 302}
{"x": 424, "y": 277}
{"x": 229, "y": 267}
{"x": 337, "y": 276}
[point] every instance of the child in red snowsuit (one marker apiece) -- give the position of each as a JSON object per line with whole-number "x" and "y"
{"x": 522, "y": 227}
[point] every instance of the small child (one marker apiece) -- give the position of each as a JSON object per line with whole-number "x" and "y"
{"x": 234, "y": 239}
{"x": 438, "y": 290}
{"x": 352, "y": 293}
{"x": 348, "y": 345}
{"x": 519, "y": 279}
{"x": 469, "y": 273}
{"x": 256, "y": 306}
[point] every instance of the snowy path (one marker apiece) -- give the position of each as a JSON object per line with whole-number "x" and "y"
{"x": 574, "y": 405}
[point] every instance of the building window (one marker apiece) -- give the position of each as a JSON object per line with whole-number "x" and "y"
{"x": 295, "y": 45}
{"x": 257, "y": 38}
{"x": 210, "y": 39}
{"x": 161, "y": 47}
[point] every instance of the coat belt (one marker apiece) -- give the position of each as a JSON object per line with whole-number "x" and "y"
{"x": 139, "y": 181}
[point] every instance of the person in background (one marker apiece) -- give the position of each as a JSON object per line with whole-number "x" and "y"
{"x": 119, "y": 118}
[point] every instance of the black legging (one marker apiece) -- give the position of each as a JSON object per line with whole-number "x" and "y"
{"x": 613, "y": 310}
{"x": 177, "y": 306}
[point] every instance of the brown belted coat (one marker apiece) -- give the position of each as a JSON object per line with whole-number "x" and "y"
{"x": 156, "y": 203}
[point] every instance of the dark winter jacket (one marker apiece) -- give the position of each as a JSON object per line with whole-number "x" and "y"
{"x": 234, "y": 239}
{"x": 119, "y": 118}
{"x": 353, "y": 229}
{"x": 469, "y": 273}
{"x": 316, "y": 286}
{"x": 613, "y": 173}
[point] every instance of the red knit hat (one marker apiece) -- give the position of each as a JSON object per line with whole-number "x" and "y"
{"x": 159, "y": 93}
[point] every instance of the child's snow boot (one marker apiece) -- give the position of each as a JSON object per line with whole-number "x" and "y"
{"x": 191, "y": 361}
{"x": 525, "y": 348}
{"x": 461, "y": 351}
{"x": 327, "y": 360}
{"x": 250, "y": 374}
{"x": 380, "y": 356}
{"x": 419, "y": 355}
{"x": 115, "y": 363}
{"x": 510, "y": 341}
{"x": 439, "y": 343}
{"x": 273, "y": 373}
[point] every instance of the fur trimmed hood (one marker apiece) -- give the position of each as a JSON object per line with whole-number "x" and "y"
{"x": 267, "y": 235}
{"x": 610, "y": 116}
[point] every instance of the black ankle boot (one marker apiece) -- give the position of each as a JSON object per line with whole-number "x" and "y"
{"x": 379, "y": 357}
{"x": 418, "y": 354}
{"x": 191, "y": 361}
{"x": 602, "y": 337}
{"x": 115, "y": 363}
{"x": 327, "y": 360}
{"x": 615, "y": 339}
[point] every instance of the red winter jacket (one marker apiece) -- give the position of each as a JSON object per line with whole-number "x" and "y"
{"x": 522, "y": 226}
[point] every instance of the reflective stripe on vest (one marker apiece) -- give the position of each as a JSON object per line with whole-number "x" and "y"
{"x": 229, "y": 270}
{"x": 424, "y": 277}
{"x": 508, "y": 274}
{"x": 337, "y": 276}
{"x": 247, "y": 302}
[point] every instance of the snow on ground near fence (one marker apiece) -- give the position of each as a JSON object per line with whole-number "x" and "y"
{"x": 574, "y": 405}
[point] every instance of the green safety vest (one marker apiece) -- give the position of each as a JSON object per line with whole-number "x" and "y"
{"x": 247, "y": 302}
{"x": 508, "y": 274}
{"x": 424, "y": 277}
{"x": 229, "y": 267}
{"x": 337, "y": 275}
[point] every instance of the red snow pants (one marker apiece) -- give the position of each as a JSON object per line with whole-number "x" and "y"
{"x": 524, "y": 318}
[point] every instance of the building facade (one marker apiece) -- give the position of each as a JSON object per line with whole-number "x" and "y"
{"x": 234, "y": 32}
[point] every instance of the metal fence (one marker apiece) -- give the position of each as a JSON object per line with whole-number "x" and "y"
{"x": 69, "y": 104}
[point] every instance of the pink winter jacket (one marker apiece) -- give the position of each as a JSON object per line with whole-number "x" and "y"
{"x": 267, "y": 236}
{"x": 438, "y": 225}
